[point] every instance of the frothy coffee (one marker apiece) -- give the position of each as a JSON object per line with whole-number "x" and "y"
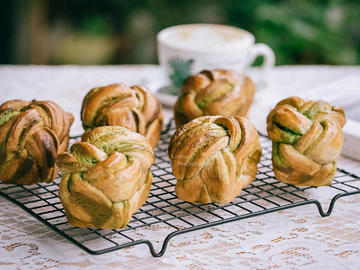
{"x": 206, "y": 36}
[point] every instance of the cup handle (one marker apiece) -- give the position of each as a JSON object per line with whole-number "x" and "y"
{"x": 260, "y": 78}
{"x": 261, "y": 49}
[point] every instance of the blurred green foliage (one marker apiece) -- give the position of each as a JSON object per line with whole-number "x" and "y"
{"x": 299, "y": 31}
{"x": 315, "y": 32}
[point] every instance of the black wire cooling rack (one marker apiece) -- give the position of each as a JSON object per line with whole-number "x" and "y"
{"x": 164, "y": 216}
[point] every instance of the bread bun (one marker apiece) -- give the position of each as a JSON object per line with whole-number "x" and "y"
{"x": 31, "y": 135}
{"x": 106, "y": 177}
{"x": 214, "y": 92}
{"x": 213, "y": 158}
{"x": 307, "y": 139}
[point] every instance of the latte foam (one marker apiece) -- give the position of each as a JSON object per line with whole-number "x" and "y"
{"x": 206, "y": 36}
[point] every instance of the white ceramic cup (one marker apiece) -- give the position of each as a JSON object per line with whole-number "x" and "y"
{"x": 209, "y": 46}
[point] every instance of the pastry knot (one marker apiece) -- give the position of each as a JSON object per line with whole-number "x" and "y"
{"x": 307, "y": 139}
{"x": 106, "y": 177}
{"x": 134, "y": 107}
{"x": 214, "y": 92}
{"x": 31, "y": 135}
{"x": 213, "y": 158}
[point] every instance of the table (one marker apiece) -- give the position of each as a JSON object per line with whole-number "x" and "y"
{"x": 289, "y": 239}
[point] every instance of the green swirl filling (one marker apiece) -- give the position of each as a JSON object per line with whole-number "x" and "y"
{"x": 288, "y": 135}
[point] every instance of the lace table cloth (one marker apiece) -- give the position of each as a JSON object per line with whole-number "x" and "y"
{"x": 289, "y": 239}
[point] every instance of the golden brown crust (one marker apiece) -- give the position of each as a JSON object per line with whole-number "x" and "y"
{"x": 134, "y": 107}
{"x": 31, "y": 135}
{"x": 213, "y": 158}
{"x": 106, "y": 177}
{"x": 307, "y": 139}
{"x": 214, "y": 92}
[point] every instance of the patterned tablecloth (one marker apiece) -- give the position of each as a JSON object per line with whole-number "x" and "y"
{"x": 289, "y": 239}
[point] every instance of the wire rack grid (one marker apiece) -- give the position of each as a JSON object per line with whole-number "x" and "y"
{"x": 164, "y": 216}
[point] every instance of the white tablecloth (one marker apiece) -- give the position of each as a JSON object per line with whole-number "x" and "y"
{"x": 290, "y": 239}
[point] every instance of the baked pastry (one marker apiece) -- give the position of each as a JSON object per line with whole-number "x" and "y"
{"x": 31, "y": 135}
{"x": 134, "y": 107}
{"x": 214, "y": 92}
{"x": 307, "y": 139}
{"x": 213, "y": 158}
{"x": 106, "y": 177}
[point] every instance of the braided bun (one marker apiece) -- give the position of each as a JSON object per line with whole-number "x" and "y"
{"x": 106, "y": 177}
{"x": 307, "y": 139}
{"x": 31, "y": 136}
{"x": 214, "y": 92}
{"x": 134, "y": 107}
{"x": 213, "y": 158}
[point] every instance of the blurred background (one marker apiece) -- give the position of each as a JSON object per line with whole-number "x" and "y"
{"x": 124, "y": 31}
